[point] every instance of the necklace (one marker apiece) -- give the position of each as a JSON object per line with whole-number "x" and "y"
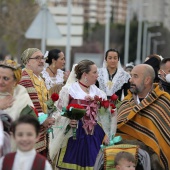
{"x": 83, "y": 85}
{"x": 111, "y": 76}
{"x": 52, "y": 71}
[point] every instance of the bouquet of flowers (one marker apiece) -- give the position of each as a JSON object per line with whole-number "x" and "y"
{"x": 112, "y": 103}
{"x": 43, "y": 116}
{"x": 50, "y": 109}
{"x": 110, "y": 106}
{"x": 73, "y": 111}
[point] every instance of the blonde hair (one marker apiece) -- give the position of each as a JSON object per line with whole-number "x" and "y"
{"x": 14, "y": 66}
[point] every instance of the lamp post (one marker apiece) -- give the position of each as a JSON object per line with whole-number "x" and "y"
{"x": 151, "y": 35}
{"x": 127, "y": 30}
{"x": 107, "y": 26}
{"x": 68, "y": 46}
{"x": 144, "y": 48}
{"x": 140, "y": 18}
{"x": 155, "y": 45}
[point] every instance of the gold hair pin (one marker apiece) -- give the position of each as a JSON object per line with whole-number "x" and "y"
{"x": 10, "y": 63}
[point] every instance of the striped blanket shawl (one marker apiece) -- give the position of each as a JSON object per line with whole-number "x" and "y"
{"x": 148, "y": 121}
{"x": 27, "y": 83}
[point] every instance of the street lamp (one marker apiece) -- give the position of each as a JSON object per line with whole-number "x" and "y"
{"x": 127, "y": 32}
{"x": 155, "y": 45}
{"x": 107, "y": 26}
{"x": 150, "y": 35}
{"x": 140, "y": 19}
{"x": 146, "y": 26}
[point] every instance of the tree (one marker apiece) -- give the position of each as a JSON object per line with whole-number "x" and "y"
{"x": 16, "y": 16}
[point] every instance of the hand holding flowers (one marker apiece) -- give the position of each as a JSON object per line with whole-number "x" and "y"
{"x": 105, "y": 107}
{"x": 46, "y": 119}
{"x": 74, "y": 112}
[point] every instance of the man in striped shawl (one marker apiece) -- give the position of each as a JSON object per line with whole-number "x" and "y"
{"x": 144, "y": 116}
{"x": 33, "y": 60}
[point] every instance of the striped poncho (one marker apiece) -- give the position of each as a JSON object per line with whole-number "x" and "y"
{"x": 28, "y": 84}
{"x": 148, "y": 121}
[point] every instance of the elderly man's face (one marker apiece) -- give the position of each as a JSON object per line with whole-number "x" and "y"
{"x": 137, "y": 80}
{"x": 36, "y": 62}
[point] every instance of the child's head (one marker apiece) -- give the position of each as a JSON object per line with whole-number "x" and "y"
{"x": 26, "y": 132}
{"x": 124, "y": 161}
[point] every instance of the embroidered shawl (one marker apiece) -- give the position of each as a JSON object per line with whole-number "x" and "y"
{"x": 28, "y": 84}
{"x": 148, "y": 121}
{"x": 51, "y": 81}
{"x": 120, "y": 78}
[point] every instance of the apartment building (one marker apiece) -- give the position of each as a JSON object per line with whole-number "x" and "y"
{"x": 153, "y": 10}
{"x": 95, "y": 10}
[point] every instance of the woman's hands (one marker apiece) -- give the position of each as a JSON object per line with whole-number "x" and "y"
{"x": 73, "y": 123}
{"x": 6, "y": 102}
{"x": 106, "y": 140}
{"x": 49, "y": 122}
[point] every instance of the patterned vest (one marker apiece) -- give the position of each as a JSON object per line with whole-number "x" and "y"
{"x": 39, "y": 162}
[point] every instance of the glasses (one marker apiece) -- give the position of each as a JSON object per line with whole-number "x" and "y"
{"x": 38, "y": 58}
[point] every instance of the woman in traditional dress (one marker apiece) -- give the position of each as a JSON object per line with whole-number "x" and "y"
{"x": 53, "y": 74}
{"x": 92, "y": 129}
{"x": 112, "y": 78}
{"x": 13, "y": 97}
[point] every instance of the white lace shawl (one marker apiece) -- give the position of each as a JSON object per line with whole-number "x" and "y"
{"x": 21, "y": 100}
{"x": 120, "y": 78}
{"x": 49, "y": 81}
{"x": 109, "y": 123}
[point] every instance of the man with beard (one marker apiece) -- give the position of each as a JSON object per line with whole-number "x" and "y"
{"x": 144, "y": 116}
{"x": 33, "y": 60}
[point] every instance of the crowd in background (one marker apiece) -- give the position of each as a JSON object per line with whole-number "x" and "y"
{"x": 142, "y": 117}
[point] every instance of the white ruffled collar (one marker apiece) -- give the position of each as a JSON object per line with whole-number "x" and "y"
{"x": 77, "y": 93}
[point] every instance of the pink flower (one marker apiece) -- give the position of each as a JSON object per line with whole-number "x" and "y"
{"x": 97, "y": 98}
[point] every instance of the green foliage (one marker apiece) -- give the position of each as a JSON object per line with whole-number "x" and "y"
{"x": 16, "y": 17}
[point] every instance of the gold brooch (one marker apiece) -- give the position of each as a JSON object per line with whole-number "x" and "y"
{"x": 110, "y": 84}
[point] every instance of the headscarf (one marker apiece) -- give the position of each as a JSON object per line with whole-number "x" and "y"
{"x": 27, "y": 54}
{"x": 14, "y": 66}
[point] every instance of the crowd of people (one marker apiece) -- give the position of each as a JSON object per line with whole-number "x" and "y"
{"x": 142, "y": 117}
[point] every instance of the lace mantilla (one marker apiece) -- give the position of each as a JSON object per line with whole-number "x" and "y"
{"x": 120, "y": 78}
{"x": 50, "y": 81}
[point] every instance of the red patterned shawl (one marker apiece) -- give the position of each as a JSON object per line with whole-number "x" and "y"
{"x": 27, "y": 83}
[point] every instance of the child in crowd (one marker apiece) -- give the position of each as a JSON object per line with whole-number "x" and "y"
{"x": 124, "y": 161}
{"x": 26, "y": 133}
